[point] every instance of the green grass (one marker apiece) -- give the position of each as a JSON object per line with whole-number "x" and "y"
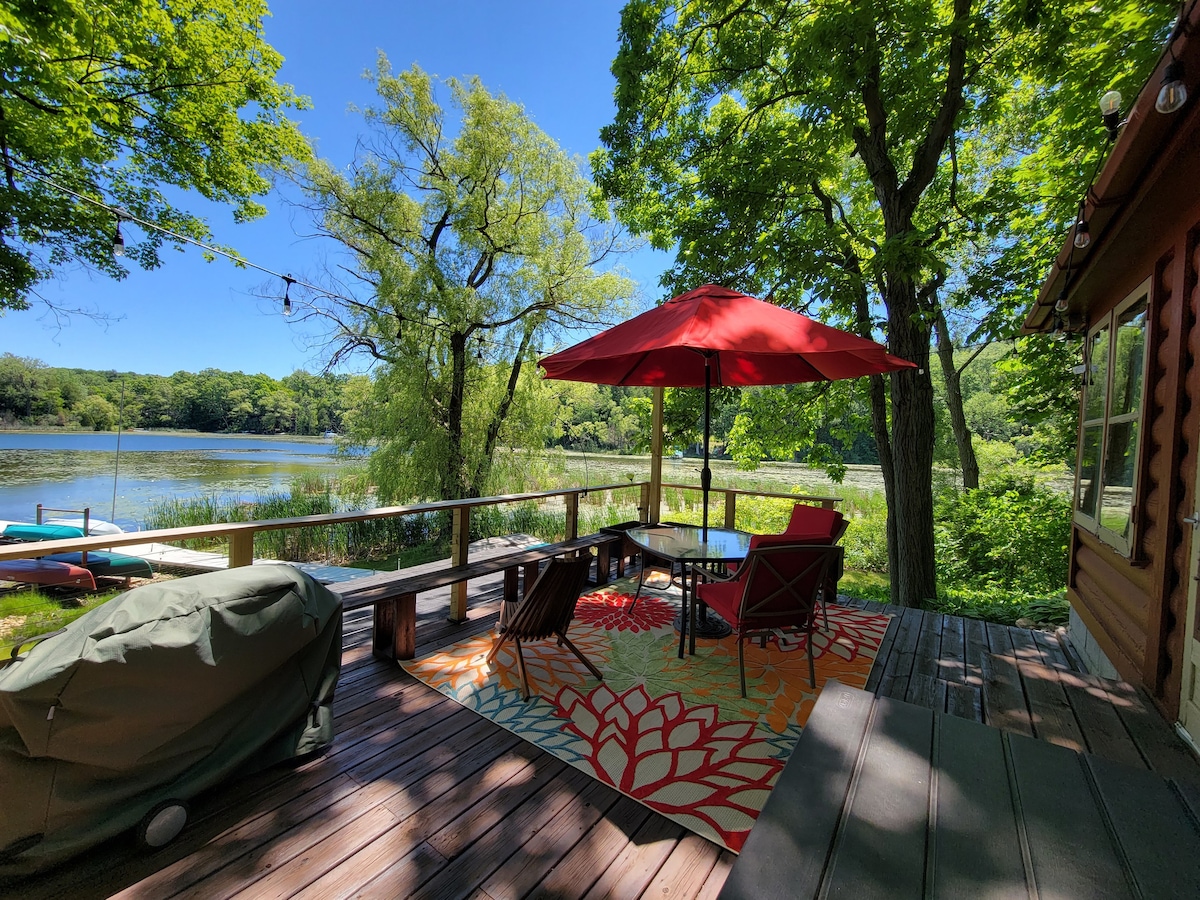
{"x": 27, "y": 613}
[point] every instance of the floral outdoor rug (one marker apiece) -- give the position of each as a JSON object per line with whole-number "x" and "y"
{"x": 673, "y": 734}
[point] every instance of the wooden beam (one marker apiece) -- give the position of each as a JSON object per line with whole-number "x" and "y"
{"x": 730, "y": 509}
{"x": 241, "y": 549}
{"x": 656, "y": 453}
{"x": 572, "y": 503}
{"x": 459, "y": 540}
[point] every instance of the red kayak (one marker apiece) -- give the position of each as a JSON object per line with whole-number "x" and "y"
{"x": 46, "y": 571}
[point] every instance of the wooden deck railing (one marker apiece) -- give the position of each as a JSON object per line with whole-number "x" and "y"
{"x": 731, "y": 495}
{"x": 241, "y": 534}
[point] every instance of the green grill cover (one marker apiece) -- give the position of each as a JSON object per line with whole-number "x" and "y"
{"x": 157, "y": 695}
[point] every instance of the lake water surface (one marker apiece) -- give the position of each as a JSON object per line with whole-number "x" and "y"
{"x": 73, "y": 470}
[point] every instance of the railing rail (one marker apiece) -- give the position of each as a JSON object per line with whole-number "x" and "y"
{"x": 731, "y": 495}
{"x": 241, "y": 534}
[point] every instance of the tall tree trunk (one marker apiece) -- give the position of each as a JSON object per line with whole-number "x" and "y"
{"x": 879, "y": 427}
{"x": 952, "y": 378}
{"x": 458, "y": 484}
{"x": 914, "y": 573}
{"x": 479, "y": 480}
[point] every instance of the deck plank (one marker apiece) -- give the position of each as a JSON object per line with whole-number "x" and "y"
{"x": 685, "y": 872}
{"x": 1003, "y": 697}
{"x": 952, "y": 662}
{"x": 964, "y": 701}
{"x": 880, "y": 851}
{"x": 1069, "y": 845}
{"x": 1152, "y": 826}
{"x": 975, "y": 846}
{"x": 579, "y": 869}
{"x": 901, "y": 655}
{"x": 1051, "y": 714}
{"x": 635, "y": 867}
{"x": 533, "y": 860}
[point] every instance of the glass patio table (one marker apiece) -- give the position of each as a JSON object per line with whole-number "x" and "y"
{"x": 684, "y": 544}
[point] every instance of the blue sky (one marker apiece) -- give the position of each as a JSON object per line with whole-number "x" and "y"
{"x": 552, "y": 56}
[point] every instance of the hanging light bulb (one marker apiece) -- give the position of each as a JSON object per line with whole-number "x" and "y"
{"x": 1110, "y": 111}
{"x": 288, "y": 281}
{"x": 1060, "y": 305}
{"x": 118, "y": 242}
{"x": 1083, "y": 235}
{"x": 1173, "y": 93}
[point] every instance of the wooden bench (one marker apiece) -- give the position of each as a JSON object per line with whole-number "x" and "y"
{"x": 394, "y": 594}
{"x": 886, "y": 799}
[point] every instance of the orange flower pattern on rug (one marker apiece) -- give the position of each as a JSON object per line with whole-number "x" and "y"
{"x": 674, "y": 734}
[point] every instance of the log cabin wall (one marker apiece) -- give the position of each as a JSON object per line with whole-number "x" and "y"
{"x": 1134, "y": 607}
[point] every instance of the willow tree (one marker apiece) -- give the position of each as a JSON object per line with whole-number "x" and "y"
{"x": 106, "y": 104}
{"x": 472, "y": 239}
{"x": 821, "y": 152}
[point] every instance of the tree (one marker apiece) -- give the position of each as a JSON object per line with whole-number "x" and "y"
{"x": 466, "y": 252}
{"x": 115, "y": 100}
{"x": 825, "y": 153}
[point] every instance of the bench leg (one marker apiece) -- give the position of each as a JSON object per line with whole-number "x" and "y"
{"x": 603, "y": 563}
{"x": 394, "y": 633}
{"x": 530, "y": 576}
{"x": 458, "y": 603}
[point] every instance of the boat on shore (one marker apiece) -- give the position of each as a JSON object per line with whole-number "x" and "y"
{"x": 50, "y": 573}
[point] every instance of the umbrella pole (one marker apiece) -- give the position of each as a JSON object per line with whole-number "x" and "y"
{"x": 706, "y": 472}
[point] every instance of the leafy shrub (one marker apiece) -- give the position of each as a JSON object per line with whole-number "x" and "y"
{"x": 1008, "y": 534}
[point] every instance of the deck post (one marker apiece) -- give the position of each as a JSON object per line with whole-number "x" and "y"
{"x": 730, "y": 509}
{"x": 572, "y": 503}
{"x": 241, "y": 548}
{"x": 654, "y": 500}
{"x": 459, "y": 540}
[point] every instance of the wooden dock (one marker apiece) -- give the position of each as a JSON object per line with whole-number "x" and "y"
{"x": 420, "y": 797}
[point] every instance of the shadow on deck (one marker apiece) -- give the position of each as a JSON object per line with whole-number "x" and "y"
{"x": 419, "y": 796}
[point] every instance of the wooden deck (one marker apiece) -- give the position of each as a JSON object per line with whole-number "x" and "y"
{"x": 421, "y": 797}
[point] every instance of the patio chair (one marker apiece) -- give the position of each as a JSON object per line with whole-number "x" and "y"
{"x": 778, "y": 586}
{"x": 815, "y": 525}
{"x": 546, "y": 612}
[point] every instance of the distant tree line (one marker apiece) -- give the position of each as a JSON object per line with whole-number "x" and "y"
{"x": 33, "y": 394}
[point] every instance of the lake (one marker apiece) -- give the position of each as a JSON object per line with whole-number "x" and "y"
{"x": 73, "y": 470}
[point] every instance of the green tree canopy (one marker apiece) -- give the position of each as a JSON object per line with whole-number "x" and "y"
{"x": 473, "y": 238}
{"x": 117, "y": 100}
{"x": 867, "y": 157}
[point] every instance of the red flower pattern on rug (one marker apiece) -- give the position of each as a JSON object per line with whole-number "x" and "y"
{"x": 677, "y": 759}
{"x": 674, "y": 734}
{"x": 610, "y": 610}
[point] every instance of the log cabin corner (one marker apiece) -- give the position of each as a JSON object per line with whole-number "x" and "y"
{"x": 1131, "y": 295}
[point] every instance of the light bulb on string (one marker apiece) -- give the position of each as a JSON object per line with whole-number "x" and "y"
{"x": 118, "y": 241}
{"x": 288, "y": 281}
{"x": 1083, "y": 234}
{"x": 1173, "y": 93}
{"x": 1110, "y": 112}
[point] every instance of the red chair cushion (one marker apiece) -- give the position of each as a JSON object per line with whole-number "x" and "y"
{"x": 723, "y": 598}
{"x": 815, "y": 523}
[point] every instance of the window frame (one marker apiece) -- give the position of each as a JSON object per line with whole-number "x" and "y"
{"x": 1127, "y": 542}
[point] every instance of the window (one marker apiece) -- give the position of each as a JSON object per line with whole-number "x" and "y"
{"x": 1115, "y": 369}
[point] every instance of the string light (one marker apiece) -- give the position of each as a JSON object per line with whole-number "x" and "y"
{"x": 121, "y": 214}
{"x": 118, "y": 241}
{"x": 1173, "y": 93}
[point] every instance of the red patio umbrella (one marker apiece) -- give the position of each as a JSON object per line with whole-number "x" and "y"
{"x": 715, "y": 336}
